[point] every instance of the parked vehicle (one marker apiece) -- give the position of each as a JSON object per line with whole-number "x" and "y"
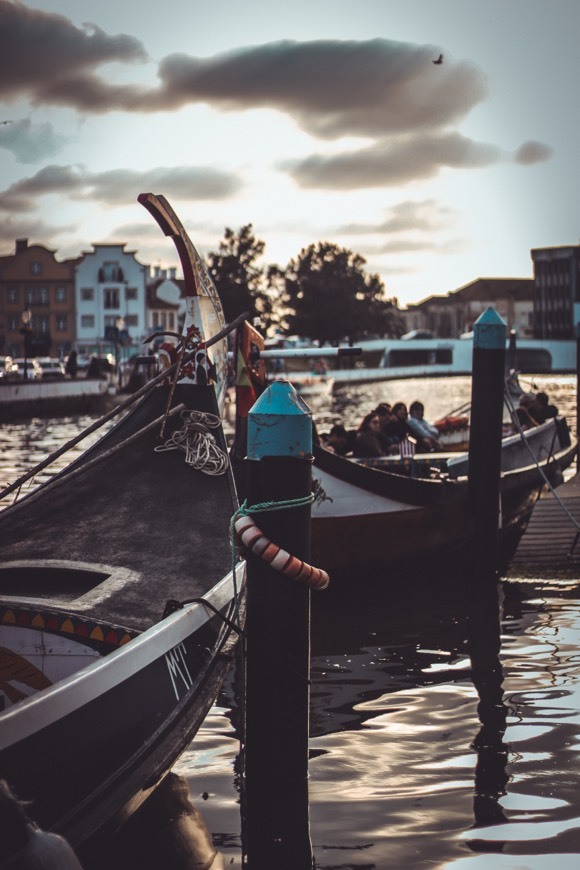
{"x": 52, "y": 368}
{"x": 18, "y": 369}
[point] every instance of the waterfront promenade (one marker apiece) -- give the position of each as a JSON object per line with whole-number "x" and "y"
{"x": 550, "y": 547}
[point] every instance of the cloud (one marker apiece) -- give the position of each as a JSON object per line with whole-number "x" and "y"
{"x": 423, "y": 216}
{"x": 30, "y": 143}
{"x": 35, "y": 229}
{"x": 119, "y": 186}
{"x": 533, "y": 152}
{"x": 46, "y": 58}
{"x": 392, "y": 162}
{"x": 331, "y": 88}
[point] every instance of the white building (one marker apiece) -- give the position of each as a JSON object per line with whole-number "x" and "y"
{"x": 110, "y": 287}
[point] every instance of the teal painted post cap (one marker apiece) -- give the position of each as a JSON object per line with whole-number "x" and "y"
{"x": 280, "y": 424}
{"x": 489, "y": 331}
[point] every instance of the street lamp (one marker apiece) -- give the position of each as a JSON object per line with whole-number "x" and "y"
{"x": 26, "y": 331}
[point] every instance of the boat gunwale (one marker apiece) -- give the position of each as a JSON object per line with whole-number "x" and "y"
{"x": 24, "y": 719}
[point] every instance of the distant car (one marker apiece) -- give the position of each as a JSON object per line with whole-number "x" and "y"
{"x": 52, "y": 368}
{"x": 417, "y": 333}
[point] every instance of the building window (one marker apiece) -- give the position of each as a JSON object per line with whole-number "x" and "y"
{"x": 13, "y": 295}
{"x": 30, "y": 296}
{"x": 42, "y": 296}
{"x": 14, "y": 323}
{"x": 60, "y": 294}
{"x": 111, "y": 297}
{"x": 111, "y": 271}
{"x": 88, "y": 321}
{"x": 131, "y": 293}
{"x": 35, "y": 267}
{"x": 61, "y": 322}
{"x": 87, "y": 294}
{"x": 132, "y": 320}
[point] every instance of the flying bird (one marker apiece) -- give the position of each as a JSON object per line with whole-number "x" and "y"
{"x": 439, "y": 59}
{"x": 5, "y": 122}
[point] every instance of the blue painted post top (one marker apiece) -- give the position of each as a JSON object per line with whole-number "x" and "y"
{"x": 279, "y": 424}
{"x": 489, "y": 331}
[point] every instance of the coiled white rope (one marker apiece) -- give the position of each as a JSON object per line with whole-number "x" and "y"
{"x": 200, "y": 447}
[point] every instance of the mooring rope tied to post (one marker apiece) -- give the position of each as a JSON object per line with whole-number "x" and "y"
{"x": 254, "y": 540}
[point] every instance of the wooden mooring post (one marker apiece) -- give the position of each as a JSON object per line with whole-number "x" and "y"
{"x": 485, "y": 436}
{"x": 275, "y": 821}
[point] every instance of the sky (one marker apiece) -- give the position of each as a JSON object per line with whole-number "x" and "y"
{"x": 315, "y": 120}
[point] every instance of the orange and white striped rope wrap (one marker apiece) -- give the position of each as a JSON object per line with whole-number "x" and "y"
{"x": 257, "y": 543}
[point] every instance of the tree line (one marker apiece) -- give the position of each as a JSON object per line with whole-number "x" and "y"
{"x": 324, "y": 294}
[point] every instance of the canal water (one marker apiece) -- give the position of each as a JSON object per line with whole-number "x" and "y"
{"x": 444, "y": 732}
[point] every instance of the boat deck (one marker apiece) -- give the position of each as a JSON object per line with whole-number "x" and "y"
{"x": 550, "y": 547}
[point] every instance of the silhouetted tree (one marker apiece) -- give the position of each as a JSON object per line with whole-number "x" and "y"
{"x": 240, "y": 282}
{"x": 330, "y": 298}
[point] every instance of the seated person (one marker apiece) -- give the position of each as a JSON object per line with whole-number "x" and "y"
{"x": 541, "y": 410}
{"x": 367, "y": 441}
{"x": 339, "y": 440}
{"x": 524, "y": 412}
{"x": 399, "y": 426}
{"x": 427, "y": 435}
{"x": 387, "y": 425}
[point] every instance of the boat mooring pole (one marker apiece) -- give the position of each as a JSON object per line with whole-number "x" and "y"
{"x": 485, "y": 436}
{"x": 276, "y": 822}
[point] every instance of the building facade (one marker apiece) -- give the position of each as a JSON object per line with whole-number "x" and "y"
{"x": 453, "y": 315}
{"x": 557, "y": 291}
{"x": 37, "y": 302}
{"x": 110, "y": 301}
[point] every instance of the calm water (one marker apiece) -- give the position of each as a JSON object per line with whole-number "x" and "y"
{"x": 441, "y": 735}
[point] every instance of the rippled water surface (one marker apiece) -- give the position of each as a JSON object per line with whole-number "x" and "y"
{"x": 444, "y": 733}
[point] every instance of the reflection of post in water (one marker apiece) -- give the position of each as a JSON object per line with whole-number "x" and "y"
{"x": 484, "y": 647}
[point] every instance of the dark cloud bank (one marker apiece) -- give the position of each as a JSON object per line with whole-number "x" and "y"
{"x": 389, "y": 94}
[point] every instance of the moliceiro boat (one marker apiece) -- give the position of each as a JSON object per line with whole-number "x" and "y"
{"x": 411, "y": 514}
{"x": 119, "y": 594}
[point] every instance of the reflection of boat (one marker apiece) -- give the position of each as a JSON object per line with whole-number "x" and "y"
{"x": 116, "y": 594}
{"x": 415, "y": 511}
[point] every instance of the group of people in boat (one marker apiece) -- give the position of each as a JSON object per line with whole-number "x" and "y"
{"x": 385, "y": 431}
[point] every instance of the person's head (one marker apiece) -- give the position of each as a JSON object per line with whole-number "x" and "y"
{"x": 337, "y": 437}
{"x": 370, "y": 423}
{"x": 385, "y": 414}
{"x": 417, "y": 409}
{"x": 526, "y": 401}
{"x": 400, "y": 411}
{"x": 542, "y": 399}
